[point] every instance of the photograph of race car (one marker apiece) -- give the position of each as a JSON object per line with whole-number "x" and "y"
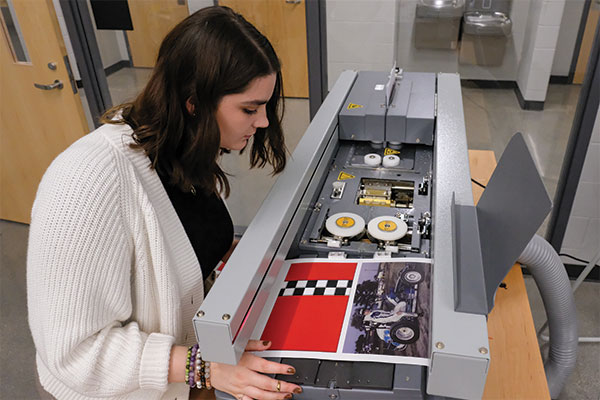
{"x": 390, "y": 310}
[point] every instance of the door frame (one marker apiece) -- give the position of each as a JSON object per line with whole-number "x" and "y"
{"x": 585, "y": 15}
{"x": 577, "y": 146}
{"x": 87, "y": 55}
{"x": 316, "y": 45}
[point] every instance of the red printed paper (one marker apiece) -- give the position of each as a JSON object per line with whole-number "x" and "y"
{"x": 309, "y": 312}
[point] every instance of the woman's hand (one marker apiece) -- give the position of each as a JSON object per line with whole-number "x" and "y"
{"x": 246, "y": 381}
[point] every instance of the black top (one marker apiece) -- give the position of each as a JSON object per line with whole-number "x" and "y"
{"x": 206, "y": 221}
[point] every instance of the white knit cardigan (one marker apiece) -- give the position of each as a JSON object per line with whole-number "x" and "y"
{"x": 112, "y": 279}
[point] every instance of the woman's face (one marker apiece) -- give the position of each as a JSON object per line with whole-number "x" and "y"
{"x": 240, "y": 114}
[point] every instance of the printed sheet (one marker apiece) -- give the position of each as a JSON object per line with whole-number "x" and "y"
{"x": 353, "y": 309}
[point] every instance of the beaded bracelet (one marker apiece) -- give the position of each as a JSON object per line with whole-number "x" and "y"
{"x": 192, "y": 375}
{"x": 187, "y": 366}
{"x": 197, "y": 371}
{"x": 203, "y": 373}
{"x": 207, "y": 375}
{"x": 193, "y": 355}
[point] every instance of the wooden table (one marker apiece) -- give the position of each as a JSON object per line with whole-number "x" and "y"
{"x": 516, "y": 368}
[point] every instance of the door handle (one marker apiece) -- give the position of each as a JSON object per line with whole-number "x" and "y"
{"x": 293, "y": 1}
{"x": 55, "y": 85}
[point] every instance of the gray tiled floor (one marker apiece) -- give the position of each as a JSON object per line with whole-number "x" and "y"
{"x": 492, "y": 116}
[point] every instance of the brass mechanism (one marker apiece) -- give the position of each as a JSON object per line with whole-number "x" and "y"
{"x": 386, "y": 193}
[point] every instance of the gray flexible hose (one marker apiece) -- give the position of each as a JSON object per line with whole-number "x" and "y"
{"x": 553, "y": 283}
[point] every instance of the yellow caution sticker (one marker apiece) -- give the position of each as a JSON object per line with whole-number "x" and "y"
{"x": 344, "y": 175}
{"x": 389, "y": 152}
{"x": 353, "y": 106}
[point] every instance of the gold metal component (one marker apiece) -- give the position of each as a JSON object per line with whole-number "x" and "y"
{"x": 374, "y": 201}
{"x": 439, "y": 345}
{"x": 225, "y": 317}
{"x": 483, "y": 350}
{"x": 376, "y": 192}
{"x": 387, "y": 226}
{"x": 345, "y": 222}
{"x": 386, "y": 193}
{"x": 200, "y": 314}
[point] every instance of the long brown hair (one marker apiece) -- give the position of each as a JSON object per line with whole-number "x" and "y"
{"x": 210, "y": 54}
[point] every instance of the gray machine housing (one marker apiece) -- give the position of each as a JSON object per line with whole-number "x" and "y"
{"x": 404, "y": 116}
{"x": 293, "y": 212}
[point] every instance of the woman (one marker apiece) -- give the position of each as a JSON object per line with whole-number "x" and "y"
{"x": 129, "y": 221}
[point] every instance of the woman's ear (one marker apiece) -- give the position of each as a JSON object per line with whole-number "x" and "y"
{"x": 190, "y": 107}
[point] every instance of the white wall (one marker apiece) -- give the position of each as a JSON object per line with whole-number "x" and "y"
{"x": 582, "y": 238}
{"x": 567, "y": 37}
{"x": 112, "y": 46}
{"x": 413, "y": 59}
{"x": 541, "y": 37}
{"x": 195, "y": 5}
{"x": 364, "y": 34}
{"x": 360, "y": 35}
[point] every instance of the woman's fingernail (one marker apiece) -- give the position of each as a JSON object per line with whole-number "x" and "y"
{"x": 291, "y": 370}
{"x": 298, "y": 390}
{"x": 288, "y": 396}
{"x": 266, "y": 342}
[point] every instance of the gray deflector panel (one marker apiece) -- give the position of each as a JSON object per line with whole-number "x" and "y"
{"x": 511, "y": 209}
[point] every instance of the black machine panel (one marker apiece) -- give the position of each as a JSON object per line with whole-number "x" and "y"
{"x": 373, "y": 200}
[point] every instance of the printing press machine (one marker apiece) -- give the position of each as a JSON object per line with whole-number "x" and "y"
{"x": 390, "y": 148}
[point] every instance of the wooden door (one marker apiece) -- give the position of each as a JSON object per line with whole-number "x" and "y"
{"x": 587, "y": 42}
{"x": 283, "y": 22}
{"x": 35, "y": 124}
{"x": 152, "y": 20}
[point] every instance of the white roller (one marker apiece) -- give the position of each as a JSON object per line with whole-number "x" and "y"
{"x": 372, "y": 159}
{"x": 387, "y": 228}
{"x": 391, "y": 161}
{"x": 345, "y": 224}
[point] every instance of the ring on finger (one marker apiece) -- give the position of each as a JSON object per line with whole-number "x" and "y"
{"x": 279, "y": 386}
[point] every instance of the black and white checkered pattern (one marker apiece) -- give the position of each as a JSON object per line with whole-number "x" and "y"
{"x": 317, "y": 288}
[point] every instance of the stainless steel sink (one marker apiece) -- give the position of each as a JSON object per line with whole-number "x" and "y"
{"x": 440, "y": 8}
{"x": 487, "y": 24}
{"x": 484, "y": 38}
